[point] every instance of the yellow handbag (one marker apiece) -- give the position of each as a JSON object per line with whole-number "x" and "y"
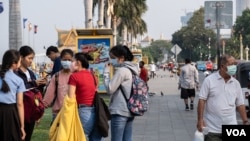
{"x": 67, "y": 125}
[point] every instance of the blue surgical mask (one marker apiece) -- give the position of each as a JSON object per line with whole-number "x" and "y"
{"x": 231, "y": 70}
{"x": 114, "y": 62}
{"x": 66, "y": 64}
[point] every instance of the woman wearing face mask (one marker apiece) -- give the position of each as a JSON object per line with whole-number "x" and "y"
{"x": 30, "y": 81}
{"x": 60, "y": 81}
{"x": 121, "y": 118}
{"x": 82, "y": 87}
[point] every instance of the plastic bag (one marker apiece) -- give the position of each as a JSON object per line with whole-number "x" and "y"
{"x": 198, "y": 136}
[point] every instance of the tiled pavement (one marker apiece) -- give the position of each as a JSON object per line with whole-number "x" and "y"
{"x": 166, "y": 119}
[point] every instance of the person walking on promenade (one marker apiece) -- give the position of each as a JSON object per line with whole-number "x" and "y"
{"x": 58, "y": 86}
{"x": 82, "y": 87}
{"x": 30, "y": 81}
{"x": 152, "y": 70}
{"x": 143, "y": 72}
{"x": 53, "y": 53}
{"x": 220, "y": 95}
{"x": 188, "y": 80}
{"x": 121, "y": 118}
{"x": 11, "y": 99}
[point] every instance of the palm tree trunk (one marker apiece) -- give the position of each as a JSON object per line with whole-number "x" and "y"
{"x": 88, "y": 4}
{"x": 115, "y": 29}
{"x": 125, "y": 36}
{"x": 100, "y": 13}
{"x": 15, "y": 36}
{"x": 109, "y": 11}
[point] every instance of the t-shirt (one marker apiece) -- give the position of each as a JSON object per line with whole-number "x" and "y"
{"x": 15, "y": 84}
{"x": 56, "y": 66}
{"x": 144, "y": 74}
{"x": 152, "y": 67}
{"x": 85, "y": 87}
{"x": 222, "y": 98}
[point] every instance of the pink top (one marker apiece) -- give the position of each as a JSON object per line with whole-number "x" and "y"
{"x": 62, "y": 90}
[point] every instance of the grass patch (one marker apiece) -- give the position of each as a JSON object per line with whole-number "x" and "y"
{"x": 41, "y": 131}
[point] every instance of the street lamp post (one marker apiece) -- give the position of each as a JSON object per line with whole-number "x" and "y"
{"x": 209, "y": 54}
{"x": 200, "y": 52}
{"x": 247, "y": 49}
{"x": 241, "y": 47}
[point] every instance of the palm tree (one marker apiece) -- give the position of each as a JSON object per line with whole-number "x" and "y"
{"x": 88, "y": 4}
{"x": 130, "y": 21}
{"x": 15, "y": 36}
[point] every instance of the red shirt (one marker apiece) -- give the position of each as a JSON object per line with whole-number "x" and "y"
{"x": 144, "y": 74}
{"x": 85, "y": 87}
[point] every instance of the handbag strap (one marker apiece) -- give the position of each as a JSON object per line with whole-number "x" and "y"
{"x": 56, "y": 88}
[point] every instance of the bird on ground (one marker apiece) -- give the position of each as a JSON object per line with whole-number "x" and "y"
{"x": 162, "y": 93}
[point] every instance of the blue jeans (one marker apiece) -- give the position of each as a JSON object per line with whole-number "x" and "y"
{"x": 87, "y": 117}
{"x": 121, "y": 128}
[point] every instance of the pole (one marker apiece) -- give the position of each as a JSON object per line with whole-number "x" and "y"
{"x": 175, "y": 54}
{"x": 241, "y": 47}
{"x": 34, "y": 41}
{"x": 247, "y": 49}
{"x": 209, "y": 53}
{"x": 223, "y": 47}
{"x": 218, "y": 5}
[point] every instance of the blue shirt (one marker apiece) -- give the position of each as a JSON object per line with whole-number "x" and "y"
{"x": 57, "y": 66}
{"x": 16, "y": 85}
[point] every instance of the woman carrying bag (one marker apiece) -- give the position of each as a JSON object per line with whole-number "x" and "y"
{"x": 82, "y": 87}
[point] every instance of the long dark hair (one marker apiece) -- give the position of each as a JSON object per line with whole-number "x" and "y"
{"x": 84, "y": 58}
{"x": 26, "y": 50}
{"x": 10, "y": 57}
{"x": 121, "y": 50}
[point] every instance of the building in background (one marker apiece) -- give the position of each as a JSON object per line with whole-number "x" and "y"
{"x": 241, "y": 5}
{"x": 146, "y": 42}
{"x": 185, "y": 19}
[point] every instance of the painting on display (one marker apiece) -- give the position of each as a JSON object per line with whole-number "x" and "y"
{"x": 98, "y": 47}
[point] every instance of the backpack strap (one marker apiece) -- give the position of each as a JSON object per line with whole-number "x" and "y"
{"x": 120, "y": 87}
{"x": 56, "y": 88}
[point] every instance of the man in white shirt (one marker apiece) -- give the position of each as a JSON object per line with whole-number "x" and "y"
{"x": 152, "y": 70}
{"x": 188, "y": 80}
{"x": 219, "y": 97}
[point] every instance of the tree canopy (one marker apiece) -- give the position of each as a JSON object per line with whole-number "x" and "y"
{"x": 194, "y": 39}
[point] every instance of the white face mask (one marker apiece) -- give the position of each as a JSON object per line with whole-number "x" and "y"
{"x": 66, "y": 64}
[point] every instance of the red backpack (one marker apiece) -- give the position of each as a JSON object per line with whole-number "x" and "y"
{"x": 33, "y": 105}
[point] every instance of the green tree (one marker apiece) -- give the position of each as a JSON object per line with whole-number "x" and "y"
{"x": 157, "y": 49}
{"x": 242, "y": 27}
{"x": 194, "y": 38}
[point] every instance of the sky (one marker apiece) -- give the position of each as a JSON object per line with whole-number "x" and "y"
{"x": 162, "y": 17}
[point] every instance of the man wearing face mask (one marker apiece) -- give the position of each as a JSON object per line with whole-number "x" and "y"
{"x": 220, "y": 96}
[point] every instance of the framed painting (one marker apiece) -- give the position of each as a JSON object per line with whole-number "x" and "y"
{"x": 98, "y": 47}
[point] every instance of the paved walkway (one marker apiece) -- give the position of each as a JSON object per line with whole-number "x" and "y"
{"x": 166, "y": 119}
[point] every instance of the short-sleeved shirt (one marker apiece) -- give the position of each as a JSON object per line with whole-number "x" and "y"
{"x": 188, "y": 77}
{"x": 221, "y": 101}
{"x": 152, "y": 67}
{"x": 144, "y": 74}
{"x": 56, "y": 66}
{"x": 15, "y": 84}
{"x": 85, "y": 87}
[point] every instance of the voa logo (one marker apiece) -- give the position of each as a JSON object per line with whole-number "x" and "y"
{"x": 236, "y": 132}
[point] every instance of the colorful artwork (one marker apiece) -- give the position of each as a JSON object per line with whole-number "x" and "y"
{"x": 98, "y": 48}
